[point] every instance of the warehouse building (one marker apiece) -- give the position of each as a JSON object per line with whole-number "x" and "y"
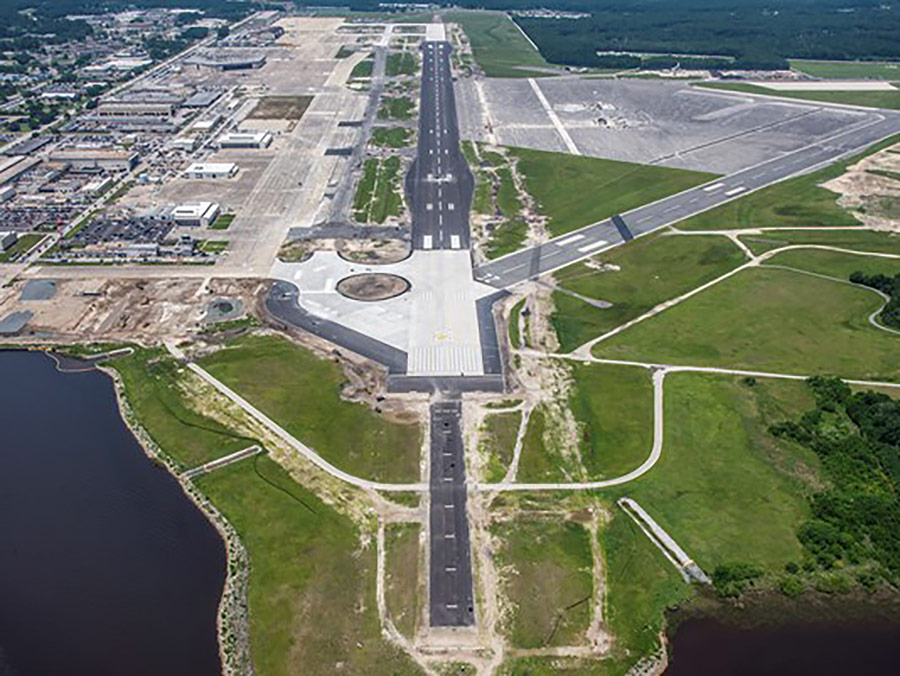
{"x": 134, "y": 109}
{"x": 230, "y": 60}
{"x": 86, "y": 159}
{"x": 187, "y": 143}
{"x": 7, "y": 240}
{"x": 211, "y": 170}
{"x": 196, "y": 213}
{"x": 245, "y": 139}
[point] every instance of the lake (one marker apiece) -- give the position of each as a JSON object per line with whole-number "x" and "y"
{"x": 106, "y": 566}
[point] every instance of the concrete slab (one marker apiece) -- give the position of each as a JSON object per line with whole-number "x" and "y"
{"x": 38, "y": 289}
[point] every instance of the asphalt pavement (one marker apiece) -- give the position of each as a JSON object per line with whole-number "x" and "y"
{"x": 451, "y": 600}
{"x": 439, "y": 183}
{"x": 574, "y": 246}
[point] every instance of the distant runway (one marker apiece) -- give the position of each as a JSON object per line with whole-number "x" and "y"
{"x": 574, "y": 246}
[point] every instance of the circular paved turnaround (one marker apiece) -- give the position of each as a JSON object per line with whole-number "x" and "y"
{"x": 371, "y": 286}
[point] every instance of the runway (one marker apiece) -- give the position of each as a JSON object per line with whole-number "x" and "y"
{"x": 450, "y": 576}
{"x": 439, "y": 183}
{"x": 574, "y": 246}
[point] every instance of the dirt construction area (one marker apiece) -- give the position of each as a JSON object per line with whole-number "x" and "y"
{"x": 132, "y": 310}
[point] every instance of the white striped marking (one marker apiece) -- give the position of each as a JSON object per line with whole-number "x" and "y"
{"x": 735, "y": 191}
{"x": 426, "y": 242}
{"x": 714, "y": 186}
{"x": 569, "y": 240}
{"x": 454, "y": 242}
{"x": 591, "y": 247}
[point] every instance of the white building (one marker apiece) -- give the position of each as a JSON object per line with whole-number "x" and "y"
{"x": 188, "y": 143}
{"x": 7, "y": 239}
{"x": 6, "y": 193}
{"x": 96, "y": 158}
{"x": 211, "y": 170}
{"x": 245, "y": 139}
{"x": 195, "y": 213}
{"x": 97, "y": 186}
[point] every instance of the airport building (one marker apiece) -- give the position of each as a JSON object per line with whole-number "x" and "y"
{"x": 85, "y": 159}
{"x": 245, "y": 139}
{"x": 7, "y": 239}
{"x": 134, "y": 109}
{"x": 202, "y": 214}
{"x": 211, "y": 170}
{"x": 187, "y": 143}
{"x": 230, "y": 60}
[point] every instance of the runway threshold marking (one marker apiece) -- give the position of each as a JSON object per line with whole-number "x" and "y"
{"x": 569, "y": 240}
{"x": 427, "y": 242}
{"x": 454, "y": 242}
{"x": 591, "y": 247}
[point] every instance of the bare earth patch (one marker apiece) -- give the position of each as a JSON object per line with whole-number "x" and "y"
{"x": 372, "y": 286}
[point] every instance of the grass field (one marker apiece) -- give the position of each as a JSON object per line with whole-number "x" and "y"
{"x": 614, "y": 406}
{"x": 363, "y": 69}
{"x": 651, "y": 269}
{"x": 396, "y": 108}
{"x": 848, "y": 70}
{"x": 391, "y": 137}
{"x": 378, "y": 193}
{"x": 498, "y": 438}
{"x": 400, "y": 63}
{"x": 301, "y": 392}
{"x": 23, "y": 245}
{"x": 767, "y": 319}
{"x": 867, "y": 99}
{"x": 506, "y": 238}
{"x": 214, "y": 246}
{"x": 860, "y": 240}
{"x": 280, "y": 107}
{"x": 312, "y": 588}
{"x": 152, "y": 384}
{"x": 222, "y": 222}
{"x": 595, "y": 189}
{"x": 498, "y": 45}
{"x": 540, "y": 461}
{"x": 515, "y": 338}
{"x": 795, "y": 203}
{"x": 725, "y": 488}
{"x": 550, "y": 584}
{"x": 641, "y": 585}
{"x": 401, "y": 583}
{"x": 834, "y": 263}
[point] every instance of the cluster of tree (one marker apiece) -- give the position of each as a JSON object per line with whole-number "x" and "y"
{"x": 857, "y": 437}
{"x": 889, "y": 286}
{"x": 750, "y": 33}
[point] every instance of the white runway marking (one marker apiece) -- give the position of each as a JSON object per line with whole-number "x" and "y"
{"x": 454, "y": 242}
{"x": 569, "y": 240}
{"x": 426, "y": 242}
{"x": 591, "y": 247}
{"x": 554, "y": 118}
{"x": 735, "y": 191}
{"x": 714, "y": 186}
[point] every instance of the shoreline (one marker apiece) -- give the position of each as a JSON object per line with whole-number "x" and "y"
{"x": 232, "y": 621}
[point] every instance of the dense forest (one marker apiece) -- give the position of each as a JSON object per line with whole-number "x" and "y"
{"x": 856, "y": 520}
{"x": 749, "y": 33}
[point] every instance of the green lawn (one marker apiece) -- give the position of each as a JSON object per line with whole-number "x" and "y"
{"x": 595, "y": 189}
{"x": 214, "y": 246}
{"x": 834, "y": 263}
{"x": 498, "y": 46}
{"x": 848, "y": 70}
{"x": 301, "y": 392}
{"x": 391, "y": 137}
{"x": 222, "y": 222}
{"x": 550, "y": 583}
{"x": 540, "y": 460}
{"x": 651, "y": 269}
{"x": 506, "y": 238}
{"x": 614, "y": 408}
{"x": 725, "y": 488}
{"x": 400, "y": 63}
{"x": 514, "y": 338}
{"x": 498, "y": 438}
{"x": 378, "y": 193}
{"x": 312, "y": 587}
{"x": 401, "y": 583}
{"x": 641, "y": 586}
{"x": 23, "y": 245}
{"x": 867, "y": 99}
{"x": 153, "y": 385}
{"x": 860, "y": 240}
{"x": 396, "y": 108}
{"x": 767, "y": 319}
{"x": 363, "y": 69}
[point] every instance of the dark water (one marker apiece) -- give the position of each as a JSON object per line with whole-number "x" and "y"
{"x": 106, "y": 568}
{"x": 709, "y": 648}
